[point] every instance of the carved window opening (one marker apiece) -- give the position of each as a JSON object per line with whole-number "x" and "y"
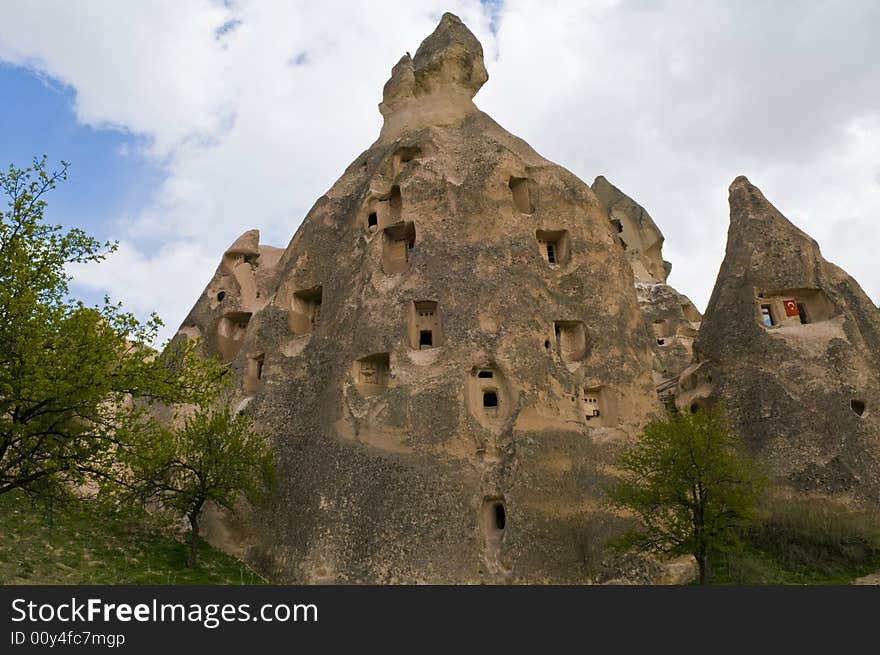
{"x": 371, "y": 373}
{"x": 661, "y": 331}
{"x": 500, "y": 516}
{"x": 404, "y": 156}
{"x": 571, "y": 340}
{"x": 793, "y": 307}
{"x": 254, "y": 373}
{"x": 493, "y": 522}
{"x": 591, "y": 403}
{"x": 599, "y": 406}
{"x": 231, "y": 332}
{"x": 425, "y": 330}
{"x": 398, "y": 243}
{"x": 802, "y": 313}
{"x": 306, "y": 310}
{"x": 857, "y": 406}
{"x": 519, "y": 189}
{"x": 554, "y": 245}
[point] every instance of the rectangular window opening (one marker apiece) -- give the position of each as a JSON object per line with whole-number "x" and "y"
{"x": 490, "y": 399}
{"x": 802, "y": 313}
{"x": 500, "y": 516}
{"x": 426, "y": 338}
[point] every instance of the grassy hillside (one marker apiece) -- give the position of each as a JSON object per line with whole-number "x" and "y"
{"x": 804, "y": 542}
{"x": 82, "y": 545}
{"x": 796, "y": 543}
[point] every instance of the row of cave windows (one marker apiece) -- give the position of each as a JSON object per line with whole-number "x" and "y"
{"x": 398, "y": 243}
{"x": 519, "y": 186}
{"x": 520, "y": 192}
{"x": 398, "y": 235}
{"x": 769, "y": 318}
{"x": 425, "y": 329}
{"x": 371, "y": 376}
{"x": 794, "y": 306}
{"x": 373, "y": 372}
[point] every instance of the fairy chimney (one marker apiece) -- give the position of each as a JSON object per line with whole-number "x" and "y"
{"x": 449, "y": 356}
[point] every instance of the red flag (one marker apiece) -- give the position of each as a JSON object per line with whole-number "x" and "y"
{"x": 791, "y": 308}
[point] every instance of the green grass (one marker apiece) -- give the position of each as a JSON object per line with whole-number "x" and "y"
{"x": 804, "y": 542}
{"x": 85, "y": 545}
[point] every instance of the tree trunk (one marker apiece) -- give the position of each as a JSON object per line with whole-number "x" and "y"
{"x": 192, "y": 556}
{"x": 703, "y": 565}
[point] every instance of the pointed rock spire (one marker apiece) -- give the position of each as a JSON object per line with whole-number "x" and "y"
{"x": 791, "y": 344}
{"x": 436, "y": 86}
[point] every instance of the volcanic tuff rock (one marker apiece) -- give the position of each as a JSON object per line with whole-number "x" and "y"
{"x": 671, "y": 316}
{"x": 791, "y": 343}
{"x": 448, "y": 354}
{"x": 240, "y": 287}
{"x": 639, "y": 236}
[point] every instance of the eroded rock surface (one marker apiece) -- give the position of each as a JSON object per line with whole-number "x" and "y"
{"x": 672, "y": 319}
{"x": 448, "y": 354}
{"x": 791, "y": 344}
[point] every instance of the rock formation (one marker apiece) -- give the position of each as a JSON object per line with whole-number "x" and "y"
{"x": 672, "y": 317}
{"x": 447, "y": 354}
{"x": 791, "y": 344}
{"x": 639, "y": 236}
{"x": 241, "y": 286}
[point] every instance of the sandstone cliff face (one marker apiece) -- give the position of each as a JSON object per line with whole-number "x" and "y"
{"x": 791, "y": 343}
{"x": 448, "y": 353}
{"x": 671, "y": 317}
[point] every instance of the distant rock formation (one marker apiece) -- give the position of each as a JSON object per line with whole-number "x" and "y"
{"x": 671, "y": 317}
{"x": 791, "y": 344}
{"x": 448, "y": 354}
{"x": 639, "y": 236}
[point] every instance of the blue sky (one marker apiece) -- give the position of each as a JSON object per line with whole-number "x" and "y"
{"x": 107, "y": 178}
{"x": 104, "y": 184}
{"x": 189, "y": 123}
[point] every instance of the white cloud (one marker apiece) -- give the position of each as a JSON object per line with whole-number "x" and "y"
{"x": 163, "y": 279}
{"x": 669, "y": 100}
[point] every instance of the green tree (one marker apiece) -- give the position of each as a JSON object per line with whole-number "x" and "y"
{"x": 72, "y": 378}
{"x": 690, "y": 486}
{"x": 215, "y": 456}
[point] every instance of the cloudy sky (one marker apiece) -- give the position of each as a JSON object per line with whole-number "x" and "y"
{"x": 188, "y": 123}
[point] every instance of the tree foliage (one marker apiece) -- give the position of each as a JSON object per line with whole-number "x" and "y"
{"x": 72, "y": 378}
{"x": 690, "y": 486}
{"x": 216, "y": 455}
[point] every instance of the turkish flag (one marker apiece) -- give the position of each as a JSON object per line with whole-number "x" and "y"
{"x": 791, "y": 308}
